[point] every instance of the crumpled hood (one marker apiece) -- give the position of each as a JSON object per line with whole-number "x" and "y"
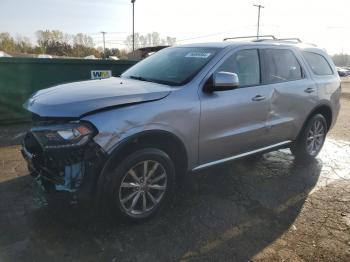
{"x": 80, "y": 98}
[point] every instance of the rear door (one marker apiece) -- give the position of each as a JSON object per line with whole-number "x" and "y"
{"x": 294, "y": 93}
{"x": 325, "y": 76}
{"x": 234, "y": 122}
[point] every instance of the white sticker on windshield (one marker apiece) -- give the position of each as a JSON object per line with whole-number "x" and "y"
{"x": 198, "y": 55}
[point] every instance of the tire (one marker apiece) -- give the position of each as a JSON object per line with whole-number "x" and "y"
{"x": 133, "y": 196}
{"x": 307, "y": 146}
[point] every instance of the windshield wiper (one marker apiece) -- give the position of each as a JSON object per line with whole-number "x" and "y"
{"x": 139, "y": 78}
{"x": 164, "y": 82}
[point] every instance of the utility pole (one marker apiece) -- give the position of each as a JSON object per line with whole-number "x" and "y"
{"x": 104, "y": 44}
{"x": 258, "y": 29}
{"x": 133, "y": 24}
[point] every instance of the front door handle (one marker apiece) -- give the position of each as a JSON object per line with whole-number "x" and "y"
{"x": 309, "y": 90}
{"x": 258, "y": 98}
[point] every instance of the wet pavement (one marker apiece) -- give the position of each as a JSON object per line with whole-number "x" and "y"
{"x": 258, "y": 209}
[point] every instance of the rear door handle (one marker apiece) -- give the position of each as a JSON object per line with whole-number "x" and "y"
{"x": 258, "y": 98}
{"x": 309, "y": 90}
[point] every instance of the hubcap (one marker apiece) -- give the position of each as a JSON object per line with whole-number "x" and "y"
{"x": 315, "y": 137}
{"x": 143, "y": 187}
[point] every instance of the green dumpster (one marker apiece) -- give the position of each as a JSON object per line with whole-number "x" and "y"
{"x": 20, "y": 77}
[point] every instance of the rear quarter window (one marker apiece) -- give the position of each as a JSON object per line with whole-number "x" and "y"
{"x": 318, "y": 63}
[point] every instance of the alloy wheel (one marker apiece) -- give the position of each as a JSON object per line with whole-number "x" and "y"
{"x": 315, "y": 137}
{"x": 142, "y": 188}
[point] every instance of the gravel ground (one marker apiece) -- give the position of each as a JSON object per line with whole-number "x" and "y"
{"x": 268, "y": 209}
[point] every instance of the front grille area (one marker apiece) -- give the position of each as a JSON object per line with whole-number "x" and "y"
{"x": 39, "y": 164}
{"x": 31, "y": 144}
{"x": 53, "y": 158}
{"x": 49, "y": 166}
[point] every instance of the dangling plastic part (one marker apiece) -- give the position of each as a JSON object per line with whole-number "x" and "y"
{"x": 73, "y": 176}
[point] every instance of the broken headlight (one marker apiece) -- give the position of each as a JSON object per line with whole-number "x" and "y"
{"x": 64, "y": 136}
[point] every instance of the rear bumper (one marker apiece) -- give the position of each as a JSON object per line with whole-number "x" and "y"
{"x": 336, "y": 110}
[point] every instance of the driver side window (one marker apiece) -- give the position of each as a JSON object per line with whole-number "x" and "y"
{"x": 245, "y": 63}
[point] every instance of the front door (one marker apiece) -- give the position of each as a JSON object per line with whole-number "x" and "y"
{"x": 234, "y": 122}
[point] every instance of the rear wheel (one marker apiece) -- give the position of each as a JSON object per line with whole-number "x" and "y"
{"x": 311, "y": 140}
{"x": 141, "y": 184}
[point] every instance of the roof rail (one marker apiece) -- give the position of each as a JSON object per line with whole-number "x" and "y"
{"x": 254, "y": 36}
{"x": 273, "y": 38}
{"x": 293, "y": 39}
{"x": 290, "y": 39}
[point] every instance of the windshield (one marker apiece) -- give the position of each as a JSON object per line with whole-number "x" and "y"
{"x": 172, "y": 66}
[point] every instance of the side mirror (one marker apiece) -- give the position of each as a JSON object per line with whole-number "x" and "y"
{"x": 225, "y": 81}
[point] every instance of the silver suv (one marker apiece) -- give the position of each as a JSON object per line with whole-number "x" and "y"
{"x": 126, "y": 140}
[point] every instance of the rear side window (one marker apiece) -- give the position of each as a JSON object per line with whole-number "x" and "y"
{"x": 280, "y": 65}
{"x": 318, "y": 64}
{"x": 245, "y": 63}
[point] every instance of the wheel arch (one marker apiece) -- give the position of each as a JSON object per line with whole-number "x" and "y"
{"x": 323, "y": 109}
{"x": 163, "y": 140}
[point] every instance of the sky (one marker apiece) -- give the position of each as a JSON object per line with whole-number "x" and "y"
{"x": 322, "y": 22}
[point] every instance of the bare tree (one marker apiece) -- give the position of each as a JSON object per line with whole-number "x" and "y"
{"x": 150, "y": 39}
{"x": 7, "y": 43}
{"x": 83, "y": 40}
{"x": 46, "y": 37}
{"x": 341, "y": 59}
{"x": 23, "y": 44}
{"x": 156, "y": 39}
{"x": 58, "y": 43}
{"x": 170, "y": 40}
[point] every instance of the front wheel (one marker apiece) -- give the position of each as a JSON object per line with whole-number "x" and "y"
{"x": 141, "y": 184}
{"x": 311, "y": 139}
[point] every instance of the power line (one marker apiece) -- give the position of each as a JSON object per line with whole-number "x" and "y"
{"x": 204, "y": 36}
{"x": 198, "y": 37}
{"x": 118, "y": 32}
{"x": 98, "y": 33}
{"x": 110, "y": 40}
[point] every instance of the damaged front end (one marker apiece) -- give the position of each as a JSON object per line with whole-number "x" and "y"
{"x": 62, "y": 156}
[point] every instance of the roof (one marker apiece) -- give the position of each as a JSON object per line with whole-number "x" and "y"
{"x": 230, "y": 43}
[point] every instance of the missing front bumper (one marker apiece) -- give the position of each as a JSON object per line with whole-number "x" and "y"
{"x": 70, "y": 170}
